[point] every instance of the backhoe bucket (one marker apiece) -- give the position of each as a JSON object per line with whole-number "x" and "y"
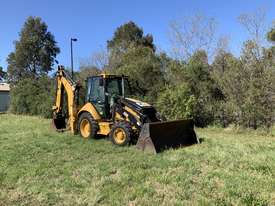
{"x": 158, "y": 136}
{"x": 59, "y": 123}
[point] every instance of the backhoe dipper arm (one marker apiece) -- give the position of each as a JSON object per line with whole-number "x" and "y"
{"x": 65, "y": 83}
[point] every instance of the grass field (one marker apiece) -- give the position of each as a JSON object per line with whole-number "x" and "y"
{"x": 41, "y": 167}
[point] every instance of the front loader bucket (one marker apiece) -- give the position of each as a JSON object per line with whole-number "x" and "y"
{"x": 158, "y": 136}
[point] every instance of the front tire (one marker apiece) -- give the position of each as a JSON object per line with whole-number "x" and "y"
{"x": 121, "y": 133}
{"x": 87, "y": 126}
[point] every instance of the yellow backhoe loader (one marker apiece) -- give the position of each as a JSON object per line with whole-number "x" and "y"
{"x": 109, "y": 111}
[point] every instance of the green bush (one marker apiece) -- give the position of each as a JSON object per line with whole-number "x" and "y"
{"x": 176, "y": 102}
{"x": 33, "y": 96}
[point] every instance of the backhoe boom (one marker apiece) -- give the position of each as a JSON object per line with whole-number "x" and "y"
{"x": 65, "y": 84}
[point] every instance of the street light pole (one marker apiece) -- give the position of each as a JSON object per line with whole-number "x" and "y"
{"x": 72, "y": 61}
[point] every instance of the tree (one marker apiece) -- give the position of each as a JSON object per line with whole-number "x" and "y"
{"x": 173, "y": 70}
{"x": 202, "y": 86}
{"x": 35, "y": 51}
{"x": 271, "y": 38}
{"x": 192, "y": 34}
{"x": 133, "y": 54}
{"x": 247, "y": 86}
{"x": 254, "y": 23}
{"x": 190, "y": 90}
{"x": 270, "y": 52}
{"x": 32, "y": 91}
{"x": 221, "y": 63}
{"x": 271, "y": 35}
{"x": 226, "y": 72}
{"x": 3, "y": 74}
{"x": 98, "y": 59}
{"x": 258, "y": 105}
{"x": 86, "y": 71}
{"x": 33, "y": 96}
{"x": 126, "y": 37}
{"x": 144, "y": 70}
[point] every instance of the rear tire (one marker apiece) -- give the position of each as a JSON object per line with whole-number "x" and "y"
{"x": 87, "y": 126}
{"x": 121, "y": 133}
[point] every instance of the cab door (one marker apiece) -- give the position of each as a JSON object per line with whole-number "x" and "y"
{"x": 96, "y": 94}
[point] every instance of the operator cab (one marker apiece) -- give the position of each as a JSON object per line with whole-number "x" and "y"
{"x": 104, "y": 90}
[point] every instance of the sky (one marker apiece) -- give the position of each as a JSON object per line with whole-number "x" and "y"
{"x": 93, "y": 22}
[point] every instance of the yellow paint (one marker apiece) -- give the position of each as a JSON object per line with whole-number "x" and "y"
{"x": 106, "y": 75}
{"x": 118, "y": 117}
{"x": 85, "y": 128}
{"x": 104, "y": 128}
{"x": 63, "y": 83}
{"x": 128, "y": 109}
{"x": 119, "y": 135}
{"x": 74, "y": 111}
{"x": 145, "y": 104}
{"x": 88, "y": 107}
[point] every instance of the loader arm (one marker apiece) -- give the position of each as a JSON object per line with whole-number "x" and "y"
{"x": 65, "y": 84}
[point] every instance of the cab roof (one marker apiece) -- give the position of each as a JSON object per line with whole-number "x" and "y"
{"x": 106, "y": 76}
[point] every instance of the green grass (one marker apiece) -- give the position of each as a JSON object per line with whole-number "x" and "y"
{"x": 41, "y": 167}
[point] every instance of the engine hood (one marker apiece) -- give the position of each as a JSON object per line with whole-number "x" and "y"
{"x": 138, "y": 103}
{"x": 146, "y": 111}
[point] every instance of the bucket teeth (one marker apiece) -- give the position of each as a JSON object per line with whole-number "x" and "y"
{"x": 158, "y": 136}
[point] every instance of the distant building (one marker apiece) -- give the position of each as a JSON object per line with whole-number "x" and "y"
{"x": 4, "y": 97}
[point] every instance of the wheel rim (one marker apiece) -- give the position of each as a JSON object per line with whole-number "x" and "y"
{"x": 119, "y": 136}
{"x": 85, "y": 128}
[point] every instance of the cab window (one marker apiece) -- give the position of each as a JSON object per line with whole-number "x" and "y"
{"x": 96, "y": 91}
{"x": 127, "y": 88}
{"x": 113, "y": 86}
